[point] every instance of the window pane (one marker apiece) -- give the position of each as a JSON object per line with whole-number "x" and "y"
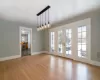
{"x": 83, "y": 53}
{"x": 59, "y": 37}
{"x": 70, "y": 31}
{"x": 84, "y": 28}
{"x": 60, "y": 41}
{"x": 79, "y": 35}
{"x": 70, "y": 52}
{"x": 79, "y": 29}
{"x": 67, "y": 31}
{"x": 83, "y": 47}
{"x": 67, "y": 35}
{"x": 68, "y": 41}
{"x": 83, "y": 34}
{"x": 79, "y": 41}
{"x": 68, "y": 47}
{"x": 83, "y": 41}
{"x": 79, "y": 53}
{"x": 60, "y": 48}
{"x": 80, "y": 47}
{"x": 70, "y": 35}
{"x": 67, "y": 52}
{"x": 52, "y": 41}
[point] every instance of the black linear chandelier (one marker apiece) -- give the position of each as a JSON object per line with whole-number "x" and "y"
{"x": 43, "y": 19}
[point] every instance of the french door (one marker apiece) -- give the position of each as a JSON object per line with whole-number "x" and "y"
{"x": 71, "y": 40}
{"x": 61, "y": 42}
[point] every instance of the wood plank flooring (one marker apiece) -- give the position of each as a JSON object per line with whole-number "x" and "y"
{"x": 47, "y": 67}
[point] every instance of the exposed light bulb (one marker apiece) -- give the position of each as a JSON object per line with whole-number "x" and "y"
{"x": 37, "y": 29}
{"x": 49, "y": 26}
{"x": 40, "y": 29}
{"x": 45, "y": 26}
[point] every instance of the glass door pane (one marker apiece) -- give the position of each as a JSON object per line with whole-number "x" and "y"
{"x": 52, "y": 43}
{"x": 82, "y": 45}
{"x": 68, "y": 41}
{"x": 60, "y": 46}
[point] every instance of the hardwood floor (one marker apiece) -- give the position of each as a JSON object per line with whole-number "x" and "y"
{"x": 47, "y": 67}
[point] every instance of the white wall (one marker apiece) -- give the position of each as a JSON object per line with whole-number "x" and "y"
{"x": 95, "y": 37}
{"x": 9, "y": 38}
{"x": 95, "y": 31}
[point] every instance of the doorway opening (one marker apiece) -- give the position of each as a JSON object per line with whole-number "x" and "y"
{"x": 25, "y": 41}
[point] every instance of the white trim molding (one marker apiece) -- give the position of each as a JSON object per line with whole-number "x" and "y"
{"x": 96, "y": 63}
{"x": 21, "y": 27}
{"x": 35, "y": 53}
{"x": 10, "y": 57}
{"x": 92, "y": 62}
{"x": 18, "y": 56}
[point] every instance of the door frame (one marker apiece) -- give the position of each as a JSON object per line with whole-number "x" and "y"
{"x": 21, "y": 27}
{"x": 75, "y": 26}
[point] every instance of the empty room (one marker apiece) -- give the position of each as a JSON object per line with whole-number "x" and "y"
{"x": 49, "y": 39}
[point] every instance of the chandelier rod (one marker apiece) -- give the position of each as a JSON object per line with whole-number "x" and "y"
{"x": 43, "y": 10}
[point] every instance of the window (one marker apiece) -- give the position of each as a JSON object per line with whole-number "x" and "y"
{"x": 52, "y": 35}
{"x": 60, "y": 41}
{"x": 68, "y": 41}
{"x": 82, "y": 44}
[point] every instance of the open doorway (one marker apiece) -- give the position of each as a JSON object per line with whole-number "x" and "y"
{"x": 25, "y": 41}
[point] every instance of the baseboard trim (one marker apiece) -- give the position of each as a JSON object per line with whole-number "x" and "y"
{"x": 35, "y": 53}
{"x": 96, "y": 63}
{"x": 18, "y": 56}
{"x": 10, "y": 57}
{"x": 92, "y": 62}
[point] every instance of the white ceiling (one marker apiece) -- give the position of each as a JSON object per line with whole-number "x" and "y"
{"x": 26, "y": 10}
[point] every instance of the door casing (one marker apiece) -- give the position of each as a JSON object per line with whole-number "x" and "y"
{"x": 30, "y": 29}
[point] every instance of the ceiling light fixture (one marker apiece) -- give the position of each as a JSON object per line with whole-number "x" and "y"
{"x": 40, "y": 25}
